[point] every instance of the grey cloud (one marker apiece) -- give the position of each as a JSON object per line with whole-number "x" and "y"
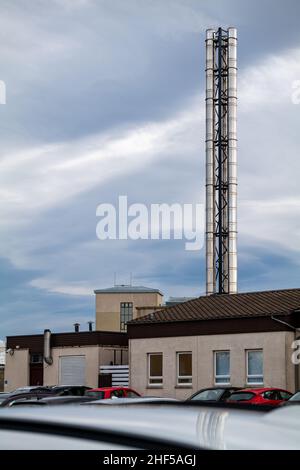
{"x": 81, "y": 74}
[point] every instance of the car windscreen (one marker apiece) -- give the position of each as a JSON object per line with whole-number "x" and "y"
{"x": 295, "y": 397}
{"x": 208, "y": 395}
{"x": 241, "y": 396}
{"x": 99, "y": 395}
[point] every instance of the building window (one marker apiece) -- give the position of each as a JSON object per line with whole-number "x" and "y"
{"x": 155, "y": 369}
{"x": 254, "y": 359}
{"x": 36, "y": 359}
{"x": 125, "y": 314}
{"x": 222, "y": 367}
{"x": 184, "y": 368}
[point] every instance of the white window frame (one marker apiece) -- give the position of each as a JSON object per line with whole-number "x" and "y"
{"x": 228, "y": 376}
{"x": 155, "y": 377}
{"x": 254, "y": 375}
{"x": 39, "y": 356}
{"x": 189, "y": 378}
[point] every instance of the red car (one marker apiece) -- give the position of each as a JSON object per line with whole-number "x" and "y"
{"x": 110, "y": 392}
{"x": 260, "y": 396}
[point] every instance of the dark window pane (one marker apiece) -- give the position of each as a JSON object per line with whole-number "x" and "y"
{"x": 185, "y": 380}
{"x": 155, "y": 381}
{"x": 185, "y": 364}
{"x": 155, "y": 365}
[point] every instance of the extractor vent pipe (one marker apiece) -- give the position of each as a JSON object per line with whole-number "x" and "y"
{"x": 47, "y": 349}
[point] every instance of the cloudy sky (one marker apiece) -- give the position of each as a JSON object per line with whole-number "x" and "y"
{"x": 106, "y": 98}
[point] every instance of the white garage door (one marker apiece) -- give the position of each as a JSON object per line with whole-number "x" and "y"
{"x": 72, "y": 370}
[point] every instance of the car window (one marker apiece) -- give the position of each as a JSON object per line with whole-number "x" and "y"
{"x": 131, "y": 394}
{"x": 117, "y": 394}
{"x": 98, "y": 395}
{"x": 295, "y": 397}
{"x": 226, "y": 394}
{"x": 208, "y": 395}
{"x": 241, "y": 396}
{"x": 285, "y": 395}
{"x": 271, "y": 395}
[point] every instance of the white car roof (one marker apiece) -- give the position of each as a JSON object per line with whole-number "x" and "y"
{"x": 195, "y": 427}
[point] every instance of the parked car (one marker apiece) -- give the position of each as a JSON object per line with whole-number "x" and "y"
{"x": 35, "y": 389}
{"x": 11, "y": 398}
{"x": 260, "y": 396}
{"x": 52, "y": 401}
{"x": 214, "y": 394}
{"x": 104, "y": 393}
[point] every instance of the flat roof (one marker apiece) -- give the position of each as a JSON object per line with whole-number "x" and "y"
{"x": 127, "y": 289}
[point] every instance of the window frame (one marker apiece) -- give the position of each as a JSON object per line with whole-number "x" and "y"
{"x": 223, "y": 376}
{"x": 182, "y": 377}
{"x": 37, "y": 355}
{"x": 155, "y": 377}
{"x": 247, "y": 368}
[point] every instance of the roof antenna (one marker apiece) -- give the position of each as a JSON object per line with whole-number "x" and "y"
{"x": 115, "y": 279}
{"x": 130, "y": 283}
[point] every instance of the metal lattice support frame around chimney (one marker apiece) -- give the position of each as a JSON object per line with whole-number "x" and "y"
{"x": 221, "y": 174}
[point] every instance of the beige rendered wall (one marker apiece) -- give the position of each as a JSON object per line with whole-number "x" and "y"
{"x": 16, "y": 370}
{"x": 91, "y": 353}
{"x": 278, "y": 368}
{"x": 108, "y": 307}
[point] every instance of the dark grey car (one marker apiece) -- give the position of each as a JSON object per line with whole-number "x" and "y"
{"x": 10, "y": 398}
{"x": 53, "y": 401}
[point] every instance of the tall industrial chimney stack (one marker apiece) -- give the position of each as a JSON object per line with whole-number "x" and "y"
{"x": 221, "y": 161}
